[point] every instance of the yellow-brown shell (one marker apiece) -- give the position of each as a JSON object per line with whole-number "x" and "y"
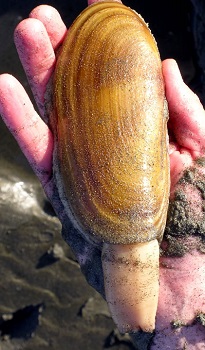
{"x": 112, "y": 126}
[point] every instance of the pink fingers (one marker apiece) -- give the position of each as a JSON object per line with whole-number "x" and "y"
{"x": 37, "y": 56}
{"x": 187, "y": 116}
{"x": 53, "y": 23}
{"x": 32, "y": 134}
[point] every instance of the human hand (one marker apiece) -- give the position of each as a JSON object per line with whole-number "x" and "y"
{"x": 36, "y": 40}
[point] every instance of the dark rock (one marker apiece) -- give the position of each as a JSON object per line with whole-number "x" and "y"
{"x": 21, "y": 323}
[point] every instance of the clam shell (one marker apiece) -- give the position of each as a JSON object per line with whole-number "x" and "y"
{"x": 112, "y": 126}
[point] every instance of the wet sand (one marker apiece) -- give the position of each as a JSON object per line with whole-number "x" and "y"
{"x": 45, "y": 302}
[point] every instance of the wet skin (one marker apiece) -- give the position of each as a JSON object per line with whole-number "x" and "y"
{"x": 181, "y": 307}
